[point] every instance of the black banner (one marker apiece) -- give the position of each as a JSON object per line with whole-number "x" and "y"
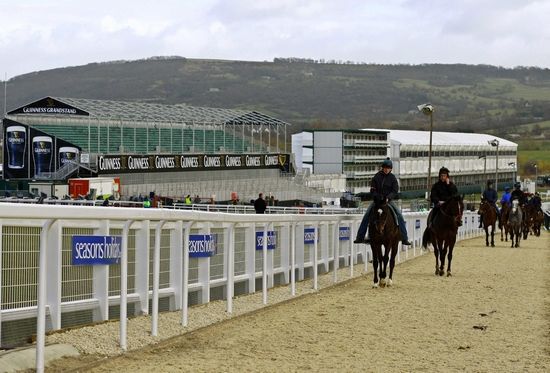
{"x": 30, "y": 153}
{"x": 130, "y": 163}
{"x": 47, "y": 106}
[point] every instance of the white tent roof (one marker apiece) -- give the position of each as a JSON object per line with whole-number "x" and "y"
{"x": 444, "y": 138}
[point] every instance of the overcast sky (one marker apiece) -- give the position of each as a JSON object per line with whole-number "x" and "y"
{"x": 46, "y": 34}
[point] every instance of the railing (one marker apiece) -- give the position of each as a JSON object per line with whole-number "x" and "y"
{"x": 41, "y": 283}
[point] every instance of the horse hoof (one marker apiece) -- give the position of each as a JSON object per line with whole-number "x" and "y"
{"x": 390, "y": 283}
{"x": 492, "y": 245}
{"x": 375, "y": 285}
{"x": 449, "y": 274}
{"x": 382, "y": 282}
{"x": 441, "y": 273}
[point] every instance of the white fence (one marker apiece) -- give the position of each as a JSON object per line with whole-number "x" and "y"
{"x": 39, "y": 282}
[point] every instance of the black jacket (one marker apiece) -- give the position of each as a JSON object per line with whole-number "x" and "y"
{"x": 260, "y": 206}
{"x": 443, "y": 192}
{"x": 519, "y": 195}
{"x": 384, "y": 186}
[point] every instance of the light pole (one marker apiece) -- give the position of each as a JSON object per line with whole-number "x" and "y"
{"x": 536, "y": 175}
{"x": 513, "y": 165}
{"x": 428, "y": 109}
{"x": 495, "y": 142}
{"x": 484, "y": 170}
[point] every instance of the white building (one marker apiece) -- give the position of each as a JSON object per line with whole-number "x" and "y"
{"x": 470, "y": 157}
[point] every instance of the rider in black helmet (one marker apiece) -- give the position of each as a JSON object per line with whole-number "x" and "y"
{"x": 384, "y": 186}
{"x": 441, "y": 192}
{"x": 490, "y": 196}
{"x": 518, "y": 194}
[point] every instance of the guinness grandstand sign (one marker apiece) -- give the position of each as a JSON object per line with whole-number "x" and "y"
{"x": 129, "y": 163}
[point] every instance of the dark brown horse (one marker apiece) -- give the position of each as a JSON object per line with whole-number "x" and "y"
{"x": 504, "y": 212}
{"x": 533, "y": 220}
{"x": 442, "y": 233}
{"x": 383, "y": 232}
{"x": 489, "y": 220}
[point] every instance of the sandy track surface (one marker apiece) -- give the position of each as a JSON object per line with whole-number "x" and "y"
{"x": 492, "y": 315}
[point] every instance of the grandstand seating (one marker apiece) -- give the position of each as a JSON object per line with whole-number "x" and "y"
{"x": 141, "y": 141}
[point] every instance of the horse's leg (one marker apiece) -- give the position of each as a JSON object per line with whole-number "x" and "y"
{"x": 384, "y": 265}
{"x": 512, "y": 237}
{"x": 395, "y": 247}
{"x": 450, "y": 256}
{"x": 375, "y": 260}
{"x": 435, "y": 245}
{"x": 442, "y": 254}
{"x": 493, "y": 234}
{"x": 486, "y": 234}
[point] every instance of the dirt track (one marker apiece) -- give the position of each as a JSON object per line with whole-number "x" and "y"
{"x": 493, "y": 315}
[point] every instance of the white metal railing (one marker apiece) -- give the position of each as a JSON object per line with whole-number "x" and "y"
{"x": 36, "y": 245}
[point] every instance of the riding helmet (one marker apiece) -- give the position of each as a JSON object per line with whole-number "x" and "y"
{"x": 387, "y": 163}
{"x": 517, "y": 185}
{"x": 443, "y": 170}
{"x": 489, "y": 182}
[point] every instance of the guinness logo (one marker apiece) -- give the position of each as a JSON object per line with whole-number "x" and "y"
{"x": 50, "y": 102}
{"x": 282, "y": 159}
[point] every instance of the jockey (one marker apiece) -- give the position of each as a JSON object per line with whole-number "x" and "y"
{"x": 490, "y": 196}
{"x": 506, "y": 197}
{"x": 384, "y": 187}
{"x": 536, "y": 201}
{"x": 441, "y": 192}
{"x": 518, "y": 194}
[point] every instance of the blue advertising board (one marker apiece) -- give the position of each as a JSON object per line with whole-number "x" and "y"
{"x": 309, "y": 236}
{"x": 202, "y": 245}
{"x": 271, "y": 240}
{"x": 96, "y": 250}
{"x": 344, "y": 234}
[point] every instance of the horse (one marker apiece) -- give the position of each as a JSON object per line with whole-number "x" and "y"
{"x": 442, "y": 233}
{"x": 384, "y": 231}
{"x": 527, "y": 219}
{"x": 504, "y": 211}
{"x": 489, "y": 219}
{"x": 534, "y": 220}
{"x": 515, "y": 223}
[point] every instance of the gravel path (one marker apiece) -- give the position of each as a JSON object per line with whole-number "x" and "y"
{"x": 493, "y": 315}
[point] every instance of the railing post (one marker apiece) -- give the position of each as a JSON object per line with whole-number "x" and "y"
{"x": 185, "y": 276}
{"x": 124, "y": 285}
{"x": 42, "y": 286}
{"x": 230, "y": 256}
{"x": 156, "y": 279}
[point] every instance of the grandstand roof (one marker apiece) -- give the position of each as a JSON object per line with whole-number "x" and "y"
{"x": 151, "y": 112}
{"x": 444, "y": 138}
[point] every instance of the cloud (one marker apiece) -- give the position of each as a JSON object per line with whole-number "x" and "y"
{"x": 38, "y": 35}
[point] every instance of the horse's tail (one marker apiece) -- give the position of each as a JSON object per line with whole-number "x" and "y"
{"x": 426, "y": 238}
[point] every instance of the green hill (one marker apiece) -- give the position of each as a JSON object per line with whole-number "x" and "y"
{"x": 306, "y": 93}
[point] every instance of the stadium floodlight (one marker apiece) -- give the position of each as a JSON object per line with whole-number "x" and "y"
{"x": 428, "y": 109}
{"x": 496, "y": 143}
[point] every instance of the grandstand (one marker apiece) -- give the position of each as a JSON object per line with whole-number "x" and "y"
{"x": 104, "y": 129}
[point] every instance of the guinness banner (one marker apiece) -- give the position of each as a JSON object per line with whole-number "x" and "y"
{"x": 129, "y": 163}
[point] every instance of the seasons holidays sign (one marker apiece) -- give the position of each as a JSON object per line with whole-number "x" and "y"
{"x": 130, "y": 163}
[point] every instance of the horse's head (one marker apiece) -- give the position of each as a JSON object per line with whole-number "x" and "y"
{"x": 381, "y": 216}
{"x": 454, "y": 207}
{"x": 515, "y": 204}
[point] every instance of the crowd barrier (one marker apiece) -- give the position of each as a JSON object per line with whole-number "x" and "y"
{"x": 46, "y": 282}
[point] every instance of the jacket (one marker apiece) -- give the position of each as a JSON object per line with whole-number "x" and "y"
{"x": 384, "y": 186}
{"x": 443, "y": 192}
{"x": 490, "y": 195}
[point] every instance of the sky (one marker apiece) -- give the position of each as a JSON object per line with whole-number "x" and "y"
{"x": 46, "y": 34}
